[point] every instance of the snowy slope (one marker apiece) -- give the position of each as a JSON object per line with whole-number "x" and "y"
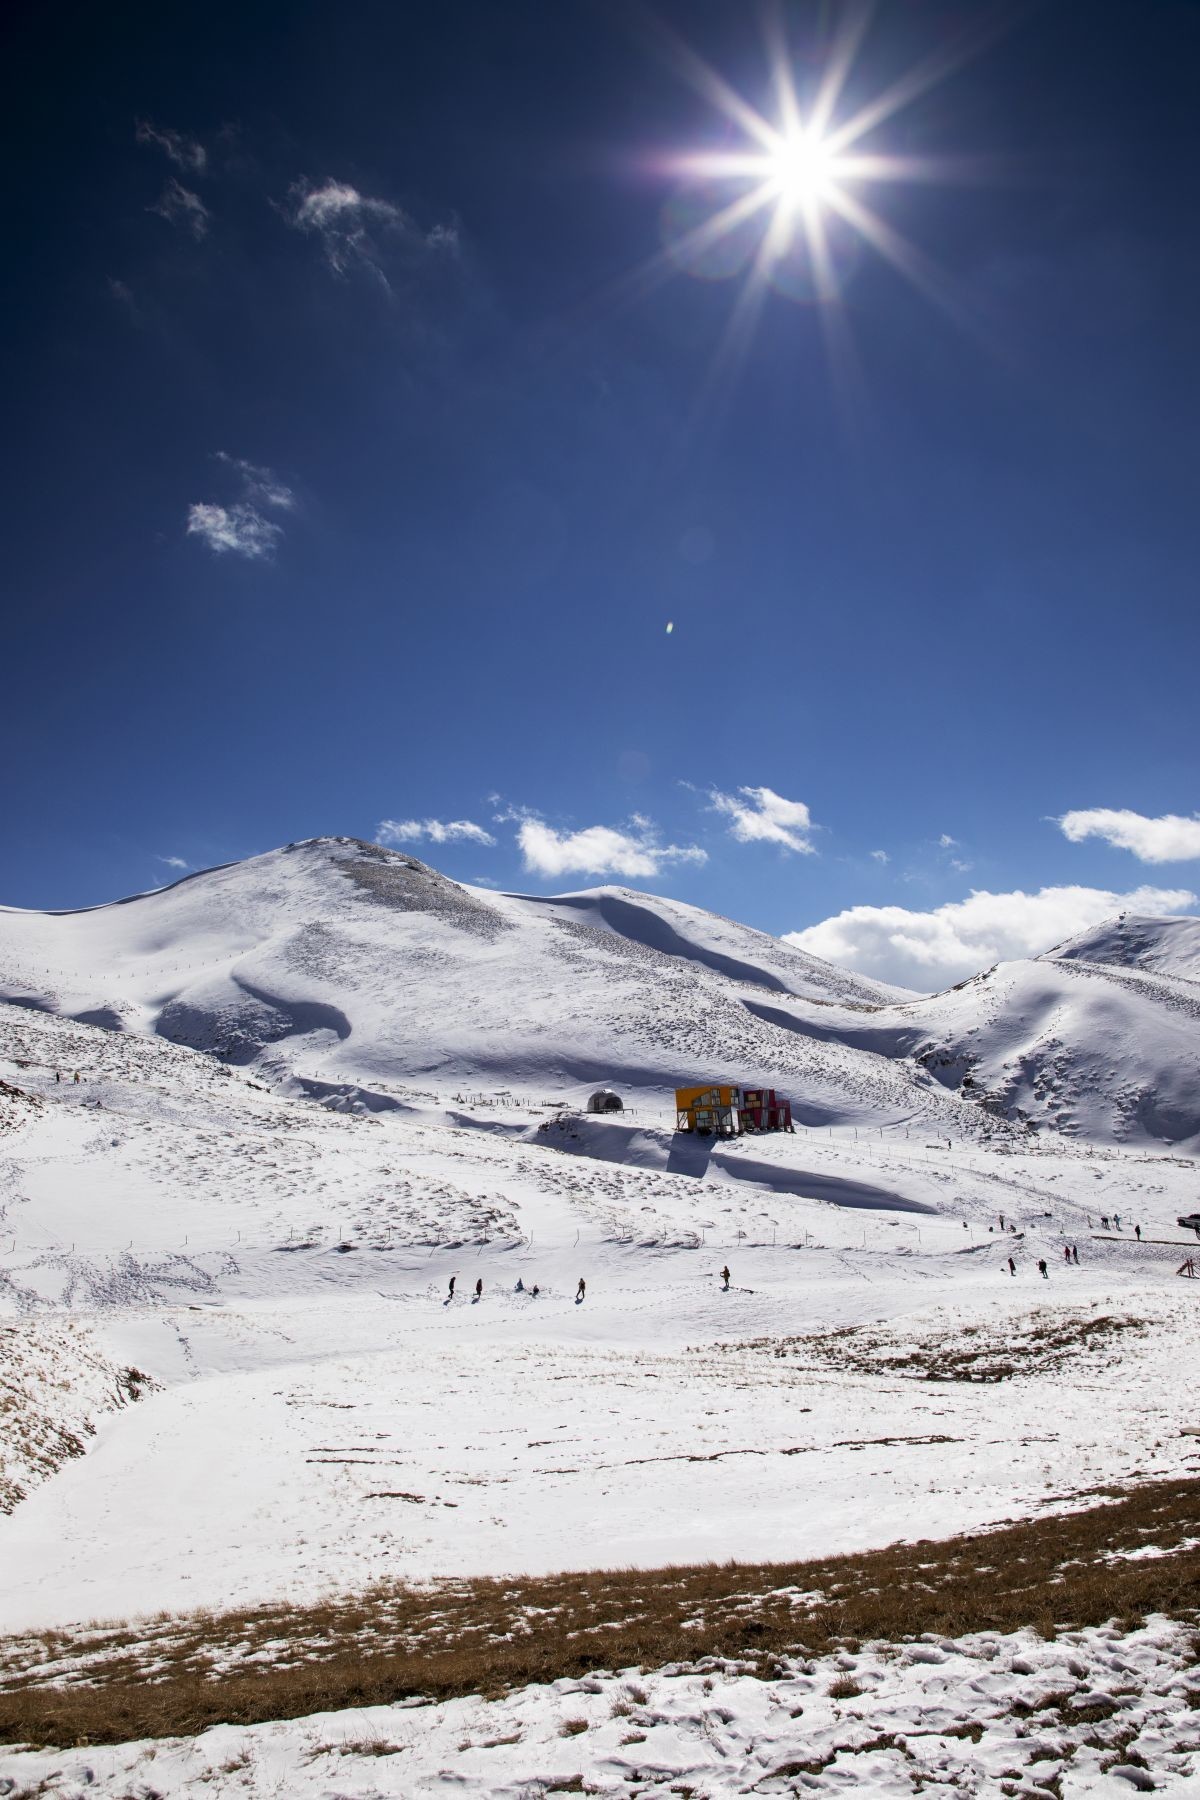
{"x": 342, "y": 963}
{"x": 344, "y": 967}
{"x": 1089, "y": 1049}
{"x": 1162, "y": 946}
{"x": 714, "y": 942}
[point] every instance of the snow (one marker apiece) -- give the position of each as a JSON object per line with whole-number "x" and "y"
{"x": 327, "y": 1080}
{"x": 981, "y": 1715}
{"x": 282, "y": 1270}
{"x": 1163, "y": 946}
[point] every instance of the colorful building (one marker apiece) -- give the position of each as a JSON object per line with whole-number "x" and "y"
{"x": 709, "y": 1110}
{"x": 726, "y": 1111}
{"x": 762, "y": 1109}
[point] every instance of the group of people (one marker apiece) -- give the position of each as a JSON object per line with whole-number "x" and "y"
{"x": 533, "y": 1292}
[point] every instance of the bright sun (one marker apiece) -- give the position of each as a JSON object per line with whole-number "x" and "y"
{"x": 781, "y": 198}
{"x": 802, "y": 170}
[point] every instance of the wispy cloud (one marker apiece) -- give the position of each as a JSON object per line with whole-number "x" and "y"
{"x": 173, "y": 862}
{"x": 261, "y": 487}
{"x": 239, "y": 528}
{"x": 930, "y": 950}
{"x": 243, "y": 526}
{"x": 355, "y": 230}
{"x": 881, "y": 856}
{"x": 759, "y": 815}
{"x": 434, "y": 831}
{"x": 600, "y": 849}
{"x": 946, "y": 842}
{"x": 180, "y": 206}
{"x": 183, "y": 151}
{"x": 122, "y": 294}
{"x": 1171, "y": 838}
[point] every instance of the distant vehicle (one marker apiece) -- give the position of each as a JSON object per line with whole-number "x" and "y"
{"x": 1190, "y": 1221}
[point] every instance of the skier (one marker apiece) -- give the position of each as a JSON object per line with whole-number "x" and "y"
{"x": 1075, "y": 1254}
{"x": 536, "y": 1290}
{"x": 57, "y": 1076}
{"x": 1012, "y": 1267}
{"x": 479, "y": 1288}
{"x": 725, "y": 1277}
{"x": 520, "y": 1285}
{"x": 1117, "y": 1218}
{"x": 1002, "y": 1221}
{"x": 1042, "y": 1269}
{"x": 1104, "y": 1221}
{"x": 1137, "y": 1232}
{"x": 581, "y": 1290}
{"x": 453, "y": 1279}
{"x": 1066, "y": 1253}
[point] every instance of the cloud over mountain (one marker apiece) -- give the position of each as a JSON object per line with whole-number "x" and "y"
{"x": 931, "y": 950}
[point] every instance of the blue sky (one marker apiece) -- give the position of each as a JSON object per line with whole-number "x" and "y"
{"x": 355, "y": 479}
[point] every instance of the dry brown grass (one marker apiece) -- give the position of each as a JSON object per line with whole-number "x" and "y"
{"x": 1049, "y": 1339}
{"x": 483, "y": 1637}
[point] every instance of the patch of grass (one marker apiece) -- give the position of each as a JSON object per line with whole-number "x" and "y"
{"x": 1047, "y": 1340}
{"x": 572, "y": 1727}
{"x": 844, "y": 1688}
{"x": 179, "y": 1676}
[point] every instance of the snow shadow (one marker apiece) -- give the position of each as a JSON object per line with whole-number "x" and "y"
{"x": 810, "y": 1186}
{"x": 642, "y": 926}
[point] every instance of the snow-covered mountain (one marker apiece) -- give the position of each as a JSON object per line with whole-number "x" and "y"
{"x": 1163, "y": 946}
{"x": 336, "y": 961}
{"x": 340, "y": 966}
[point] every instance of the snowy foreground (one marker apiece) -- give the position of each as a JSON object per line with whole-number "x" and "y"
{"x": 322, "y": 1416}
{"x": 984, "y": 1715}
{"x": 232, "y": 1373}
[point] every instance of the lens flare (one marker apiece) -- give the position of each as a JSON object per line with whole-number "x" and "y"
{"x": 782, "y": 204}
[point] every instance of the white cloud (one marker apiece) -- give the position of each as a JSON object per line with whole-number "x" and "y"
{"x": 183, "y": 151}
{"x": 931, "y": 950}
{"x": 946, "y": 842}
{"x": 600, "y": 850}
{"x": 243, "y": 527}
{"x": 180, "y": 206}
{"x": 173, "y": 862}
{"x": 349, "y": 225}
{"x": 239, "y": 528}
{"x": 759, "y": 815}
{"x": 881, "y": 856}
{"x": 261, "y": 487}
{"x": 437, "y": 831}
{"x": 1171, "y": 838}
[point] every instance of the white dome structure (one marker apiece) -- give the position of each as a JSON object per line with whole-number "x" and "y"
{"x": 604, "y": 1100}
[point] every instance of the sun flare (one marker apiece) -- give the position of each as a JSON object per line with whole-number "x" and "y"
{"x": 782, "y": 198}
{"x": 802, "y": 170}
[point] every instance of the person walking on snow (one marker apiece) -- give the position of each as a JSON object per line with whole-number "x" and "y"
{"x": 1042, "y": 1269}
{"x": 453, "y": 1279}
{"x": 725, "y": 1277}
{"x": 1137, "y": 1232}
{"x": 479, "y": 1288}
{"x": 581, "y": 1290}
{"x": 1117, "y": 1217}
{"x": 1012, "y": 1267}
{"x": 1066, "y": 1252}
{"x": 1075, "y": 1254}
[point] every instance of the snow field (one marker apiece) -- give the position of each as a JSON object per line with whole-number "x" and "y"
{"x": 1099, "y": 1713}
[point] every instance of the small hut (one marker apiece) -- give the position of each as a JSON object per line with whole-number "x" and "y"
{"x": 605, "y": 1101}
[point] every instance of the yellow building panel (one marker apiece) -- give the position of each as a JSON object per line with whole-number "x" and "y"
{"x": 708, "y": 1095}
